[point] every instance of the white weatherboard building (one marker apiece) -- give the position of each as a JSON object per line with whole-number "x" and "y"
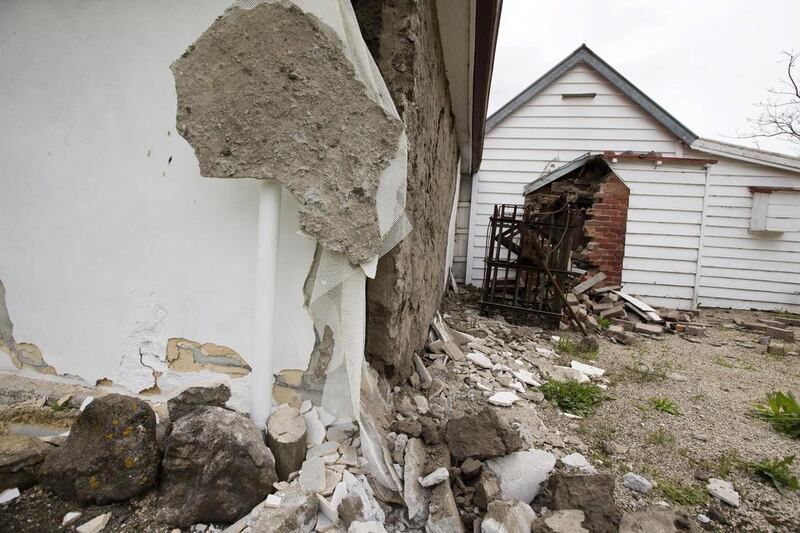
{"x": 718, "y": 233}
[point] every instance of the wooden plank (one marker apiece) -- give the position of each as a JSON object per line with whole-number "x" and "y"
{"x": 639, "y": 305}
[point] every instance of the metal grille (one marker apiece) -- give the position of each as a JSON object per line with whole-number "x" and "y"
{"x": 527, "y": 259}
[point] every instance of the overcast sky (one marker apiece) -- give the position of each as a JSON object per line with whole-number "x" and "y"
{"x": 705, "y": 61}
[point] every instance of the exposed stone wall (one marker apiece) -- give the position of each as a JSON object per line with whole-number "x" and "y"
{"x": 606, "y": 227}
{"x": 403, "y": 37}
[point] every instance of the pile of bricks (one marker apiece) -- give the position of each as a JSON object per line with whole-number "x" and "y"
{"x": 622, "y": 316}
{"x": 776, "y": 331}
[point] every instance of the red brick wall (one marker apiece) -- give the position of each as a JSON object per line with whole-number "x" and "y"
{"x": 608, "y": 218}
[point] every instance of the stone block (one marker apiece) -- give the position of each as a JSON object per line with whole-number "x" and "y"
{"x": 650, "y": 329}
{"x": 779, "y": 333}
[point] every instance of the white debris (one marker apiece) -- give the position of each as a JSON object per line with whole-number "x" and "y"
{"x": 503, "y": 399}
{"x": 576, "y": 460}
{"x": 95, "y": 524}
{"x": 521, "y": 474}
{"x": 315, "y": 429}
{"x": 481, "y": 360}
{"x": 273, "y": 501}
{"x": 508, "y": 517}
{"x": 637, "y": 483}
{"x": 327, "y": 509}
{"x": 85, "y": 403}
{"x": 527, "y": 377}
{"x": 422, "y": 404}
{"x": 572, "y": 416}
{"x": 480, "y": 386}
{"x": 565, "y": 373}
{"x": 370, "y": 526}
{"x": 435, "y": 477}
{"x": 703, "y": 519}
{"x": 589, "y": 370}
{"x": 324, "y": 416}
{"x": 306, "y": 406}
{"x": 312, "y": 474}
{"x": 8, "y": 495}
{"x": 517, "y": 386}
{"x": 723, "y": 491}
{"x": 71, "y": 517}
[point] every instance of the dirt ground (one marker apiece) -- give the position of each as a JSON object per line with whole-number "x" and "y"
{"x": 714, "y": 380}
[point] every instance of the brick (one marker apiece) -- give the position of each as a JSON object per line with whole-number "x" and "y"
{"x": 776, "y": 348}
{"x": 754, "y": 326}
{"x": 571, "y": 299}
{"x": 627, "y": 325}
{"x": 789, "y": 321}
{"x": 616, "y": 311}
{"x": 680, "y": 328}
{"x": 695, "y": 330}
{"x": 599, "y": 308}
{"x": 779, "y": 333}
{"x": 650, "y": 329}
{"x": 772, "y": 323}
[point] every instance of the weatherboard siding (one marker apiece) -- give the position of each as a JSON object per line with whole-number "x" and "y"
{"x": 743, "y": 269}
{"x": 663, "y": 232}
{"x": 547, "y": 132}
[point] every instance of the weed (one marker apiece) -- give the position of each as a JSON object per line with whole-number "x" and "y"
{"x": 787, "y": 314}
{"x": 727, "y": 462}
{"x": 573, "y": 397}
{"x": 566, "y": 346}
{"x": 665, "y": 405}
{"x": 721, "y": 361}
{"x": 682, "y": 494}
{"x": 642, "y": 373}
{"x": 660, "y": 437}
{"x": 782, "y": 411}
{"x": 777, "y": 471}
{"x": 603, "y": 323}
{"x": 699, "y": 397}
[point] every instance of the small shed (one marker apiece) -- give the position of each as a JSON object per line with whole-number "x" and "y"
{"x": 657, "y": 226}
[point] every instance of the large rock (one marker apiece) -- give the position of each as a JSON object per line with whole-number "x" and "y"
{"x": 594, "y": 495}
{"x": 194, "y": 398}
{"x": 216, "y": 468}
{"x": 443, "y": 516}
{"x": 480, "y": 436}
{"x": 110, "y": 455}
{"x": 20, "y": 458}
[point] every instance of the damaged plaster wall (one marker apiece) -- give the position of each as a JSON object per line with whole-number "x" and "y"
{"x": 300, "y": 115}
{"x": 113, "y": 243}
{"x": 404, "y": 40}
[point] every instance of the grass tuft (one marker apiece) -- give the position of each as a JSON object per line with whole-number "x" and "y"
{"x": 573, "y": 397}
{"x": 603, "y": 323}
{"x": 777, "y": 471}
{"x": 665, "y": 405}
{"x": 682, "y": 494}
{"x": 566, "y": 346}
{"x": 782, "y": 411}
{"x": 660, "y": 437}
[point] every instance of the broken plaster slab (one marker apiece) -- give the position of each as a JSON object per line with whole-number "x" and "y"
{"x": 22, "y": 354}
{"x": 185, "y": 355}
{"x": 301, "y": 116}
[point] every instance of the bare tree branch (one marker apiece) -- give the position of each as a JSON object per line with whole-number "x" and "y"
{"x": 780, "y": 114}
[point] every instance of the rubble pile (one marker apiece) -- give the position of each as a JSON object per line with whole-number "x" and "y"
{"x": 776, "y": 333}
{"x": 621, "y": 317}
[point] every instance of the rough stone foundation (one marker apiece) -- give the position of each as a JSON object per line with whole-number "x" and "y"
{"x": 403, "y": 37}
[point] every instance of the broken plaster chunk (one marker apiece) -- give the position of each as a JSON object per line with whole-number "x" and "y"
{"x": 70, "y": 518}
{"x": 503, "y": 399}
{"x": 315, "y": 428}
{"x": 577, "y": 460}
{"x": 95, "y": 524}
{"x": 522, "y": 474}
{"x": 480, "y": 360}
{"x": 9, "y": 494}
{"x": 422, "y": 404}
{"x": 312, "y": 474}
{"x": 589, "y": 370}
{"x": 723, "y": 491}
{"x": 527, "y": 377}
{"x": 435, "y": 477}
{"x": 287, "y": 74}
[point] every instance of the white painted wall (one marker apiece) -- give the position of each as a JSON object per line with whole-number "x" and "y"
{"x": 549, "y": 131}
{"x": 107, "y": 247}
{"x": 663, "y": 231}
{"x": 743, "y": 269}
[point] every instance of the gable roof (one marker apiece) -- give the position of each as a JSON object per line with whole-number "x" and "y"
{"x": 584, "y": 55}
{"x": 744, "y": 153}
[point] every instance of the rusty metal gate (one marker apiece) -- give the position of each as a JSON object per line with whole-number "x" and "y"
{"x": 527, "y": 261}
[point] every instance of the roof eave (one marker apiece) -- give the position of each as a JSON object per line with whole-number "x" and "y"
{"x": 744, "y": 153}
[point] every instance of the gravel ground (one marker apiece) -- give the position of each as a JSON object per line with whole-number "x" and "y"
{"x": 713, "y": 382}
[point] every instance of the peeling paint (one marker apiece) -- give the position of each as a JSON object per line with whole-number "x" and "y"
{"x": 23, "y": 354}
{"x": 184, "y": 355}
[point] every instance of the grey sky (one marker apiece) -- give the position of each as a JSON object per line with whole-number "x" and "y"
{"x": 705, "y": 61}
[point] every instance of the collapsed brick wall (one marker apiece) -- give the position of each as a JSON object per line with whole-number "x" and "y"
{"x": 606, "y": 226}
{"x": 601, "y": 200}
{"x": 403, "y": 37}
